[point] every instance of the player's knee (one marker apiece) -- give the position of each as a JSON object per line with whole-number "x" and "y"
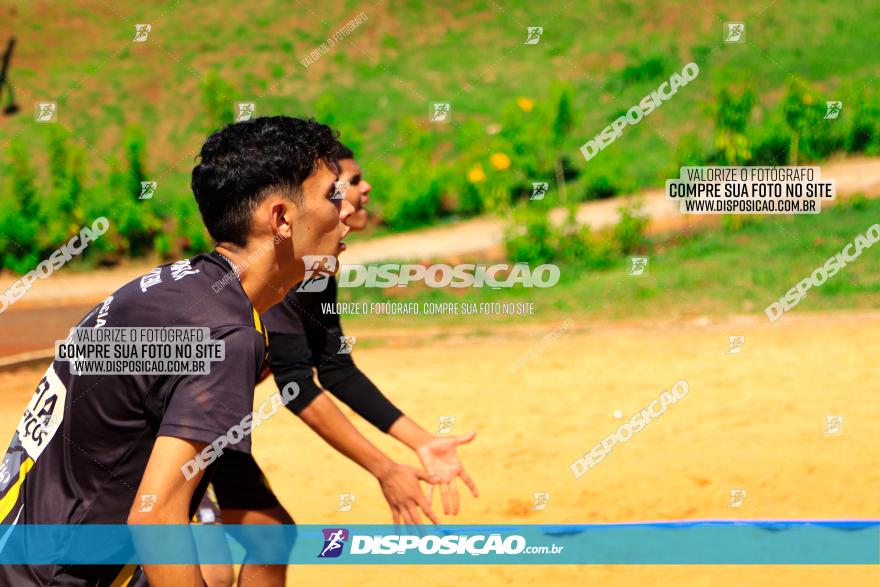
{"x": 218, "y": 575}
{"x": 267, "y": 536}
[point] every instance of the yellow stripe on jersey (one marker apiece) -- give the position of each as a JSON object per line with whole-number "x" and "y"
{"x": 258, "y": 324}
{"x": 124, "y": 576}
{"x": 11, "y": 498}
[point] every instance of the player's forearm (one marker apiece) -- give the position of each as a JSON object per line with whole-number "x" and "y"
{"x": 164, "y": 497}
{"x": 325, "y": 418}
{"x": 349, "y": 384}
{"x": 164, "y": 575}
{"x": 409, "y": 433}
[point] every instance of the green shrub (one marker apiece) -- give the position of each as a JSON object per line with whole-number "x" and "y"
{"x": 412, "y": 196}
{"x": 531, "y": 238}
{"x": 218, "y": 99}
{"x": 732, "y": 113}
{"x": 20, "y": 238}
{"x": 770, "y": 144}
{"x": 796, "y": 106}
{"x": 644, "y": 69}
{"x": 601, "y": 186}
{"x": 864, "y": 132}
{"x": 629, "y": 232}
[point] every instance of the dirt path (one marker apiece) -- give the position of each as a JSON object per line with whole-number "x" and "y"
{"x": 858, "y": 175}
{"x": 477, "y": 236}
{"x": 751, "y": 421}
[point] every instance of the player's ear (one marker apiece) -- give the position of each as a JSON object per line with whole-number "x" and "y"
{"x": 281, "y": 218}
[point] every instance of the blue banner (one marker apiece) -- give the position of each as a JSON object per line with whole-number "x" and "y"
{"x": 703, "y": 542}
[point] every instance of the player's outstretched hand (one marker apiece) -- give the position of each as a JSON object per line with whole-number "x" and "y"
{"x": 400, "y": 485}
{"x": 439, "y": 457}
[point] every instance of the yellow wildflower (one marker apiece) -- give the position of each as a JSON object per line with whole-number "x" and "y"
{"x": 499, "y": 161}
{"x": 476, "y": 175}
{"x": 524, "y": 104}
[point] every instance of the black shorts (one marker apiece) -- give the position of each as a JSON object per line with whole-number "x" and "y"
{"x": 239, "y": 483}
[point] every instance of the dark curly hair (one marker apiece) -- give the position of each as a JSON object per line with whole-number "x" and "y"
{"x": 243, "y": 162}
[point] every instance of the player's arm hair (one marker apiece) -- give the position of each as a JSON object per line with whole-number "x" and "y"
{"x": 164, "y": 479}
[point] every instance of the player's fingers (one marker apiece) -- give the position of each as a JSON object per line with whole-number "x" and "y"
{"x": 444, "y": 494}
{"x": 469, "y": 482}
{"x": 430, "y": 477}
{"x": 406, "y": 513}
{"x": 453, "y": 491}
{"x": 464, "y": 439}
{"x": 415, "y": 515}
{"x": 431, "y": 494}
{"x": 396, "y": 517}
{"x": 426, "y": 507}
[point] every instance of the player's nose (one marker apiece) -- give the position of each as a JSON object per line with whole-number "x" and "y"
{"x": 346, "y": 210}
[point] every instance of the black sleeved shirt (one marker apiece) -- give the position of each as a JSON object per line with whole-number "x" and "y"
{"x": 304, "y": 336}
{"x": 82, "y": 459}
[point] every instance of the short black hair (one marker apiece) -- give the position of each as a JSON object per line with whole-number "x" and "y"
{"x": 245, "y": 161}
{"x": 343, "y": 152}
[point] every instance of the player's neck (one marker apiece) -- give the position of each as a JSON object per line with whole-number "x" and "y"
{"x": 258, "y": 271}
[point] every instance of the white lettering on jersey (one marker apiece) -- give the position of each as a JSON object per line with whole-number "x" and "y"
{"x": 151, "y": 279}
{"x": 102, "y": 313}
{"x": 43, "y": 415}
{"x": 181, "y": 269}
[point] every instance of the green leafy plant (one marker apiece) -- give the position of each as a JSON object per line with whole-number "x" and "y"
{"x": 732, "y": 113}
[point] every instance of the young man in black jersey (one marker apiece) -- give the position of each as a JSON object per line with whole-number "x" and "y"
{"x": 303, "y": 339}
{"x": 90, "y": 448}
